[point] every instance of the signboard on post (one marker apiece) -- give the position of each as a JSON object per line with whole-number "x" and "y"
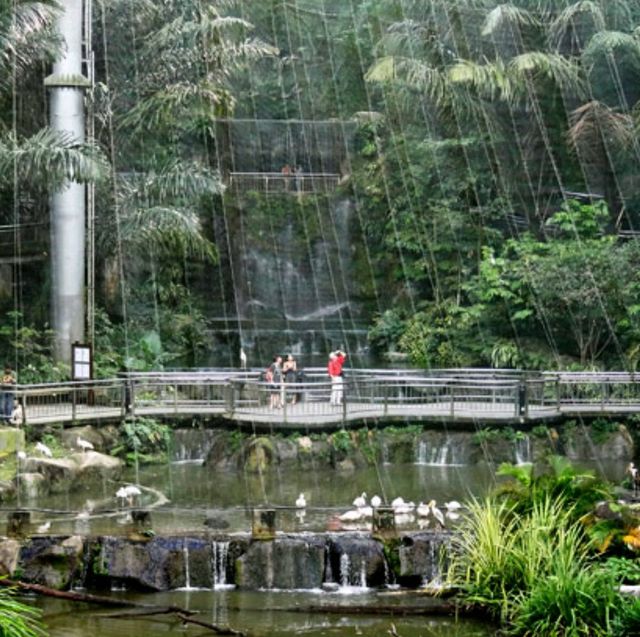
{"x": 81, "y": 361}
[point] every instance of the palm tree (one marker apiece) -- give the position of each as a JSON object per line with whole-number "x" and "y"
{"x": 516, "y": 74}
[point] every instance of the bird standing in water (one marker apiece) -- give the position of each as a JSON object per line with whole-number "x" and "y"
{"x": 243, "y": 359}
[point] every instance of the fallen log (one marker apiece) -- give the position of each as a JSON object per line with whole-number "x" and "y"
{"x": 183, "y": 614}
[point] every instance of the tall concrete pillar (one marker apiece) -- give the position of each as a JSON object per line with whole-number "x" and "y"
{"x": 66, "y": 113}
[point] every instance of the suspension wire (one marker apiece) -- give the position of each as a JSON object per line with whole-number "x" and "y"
{"x": 17, "y": 255}
{"x": 91, "y": 199}
{"x": 307, "y": 147}
{"x": 114, "y": 188}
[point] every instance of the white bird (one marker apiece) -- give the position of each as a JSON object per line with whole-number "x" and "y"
{"x": 376, "y": 501}
{"x": 351, "y": 516}
{"x": 454, "y": 505}
{"x": 301, "y": 502}
{"x": 243, "y": 358}
{"x": 402, "y": 519}
{"x": 22, "y": 455}
{"x": 43, "y": 449}
{"x": 436, "y": 513}
{"x": 43, "y": 528}
{"x": 423, "y": 510}
{"x": 367, "y": 511}
{"x": 83, "y": 444}
{"x": 404, "y": 508}
{"x": 360, "y": 501}
{"x": 17, "y": 415}
{"x": 396, "y": 502}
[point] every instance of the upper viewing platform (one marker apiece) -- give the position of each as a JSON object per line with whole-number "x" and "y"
{"x": 285, "y": 156}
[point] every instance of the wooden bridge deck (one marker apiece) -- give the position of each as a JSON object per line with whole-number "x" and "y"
{"x": 454, "y": 396}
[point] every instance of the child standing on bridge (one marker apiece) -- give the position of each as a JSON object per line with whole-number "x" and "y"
{"x": 336, "y": 361}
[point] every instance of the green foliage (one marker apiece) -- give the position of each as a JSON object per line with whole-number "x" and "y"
{"x": 623, "y": 570}
{"x": 341, "y": 441}
{"x": 143, "y": 440}
{"x": 17, "y": 619}
{"x": 602, "y": 428}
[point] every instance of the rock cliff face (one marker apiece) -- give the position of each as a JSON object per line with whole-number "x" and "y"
{"x": 292, "y": 561}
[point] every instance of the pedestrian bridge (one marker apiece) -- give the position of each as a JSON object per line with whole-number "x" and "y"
{"x": 370, "y": 395}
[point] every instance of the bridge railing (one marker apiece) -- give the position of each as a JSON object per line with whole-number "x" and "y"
{"x": 379, "y": 393}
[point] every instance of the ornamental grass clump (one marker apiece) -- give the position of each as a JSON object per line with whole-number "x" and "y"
{"x": 534, "y": 571}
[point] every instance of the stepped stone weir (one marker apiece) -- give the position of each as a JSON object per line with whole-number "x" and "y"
{"x": 289, "y": 562}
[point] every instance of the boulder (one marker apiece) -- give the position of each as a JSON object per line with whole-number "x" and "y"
{"x": 59, "y": 473}
{"x": 289, "y": 562}
{"x": 9, "y": 556}
{"x": 582, "y": 443}
{"x": 7, "y": 490}
{"x": 31, "y": 485}
{"x": 356, "y": 560}
{"x": 94, "y": 465}
{"x": 55, "y": 562}
{"x": 69, "y": 437}
{"x": 421, "y": 557}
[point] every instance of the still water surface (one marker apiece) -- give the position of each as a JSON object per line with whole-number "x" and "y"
{"x": 262, "y": 614}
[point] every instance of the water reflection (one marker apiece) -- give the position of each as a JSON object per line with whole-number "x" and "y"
{"x": 266, "y": 614}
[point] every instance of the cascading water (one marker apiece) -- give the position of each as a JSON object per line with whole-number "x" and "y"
{"x": 219, "y": 564}
{"x": 438, "y": 453}
{"x": 353, "y": 575}
{"x": 187, "y": 575}
{"x": 522, "y": 450}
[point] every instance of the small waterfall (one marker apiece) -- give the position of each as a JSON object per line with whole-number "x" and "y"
{"x": 385, "y": 453}
{"x": 353, "y": 576}
{"x": 345, "y": 567}
{"x": 522, "y": 448}
{"x": 328, "y": 570}
{"x": 187, "y": 576}
{"x": 219, "y": 564}
{"x": 433, "y": 577}
{"x": 442, "y": 454}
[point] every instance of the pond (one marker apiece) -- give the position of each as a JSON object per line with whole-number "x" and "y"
{"x": 260, "y": 614}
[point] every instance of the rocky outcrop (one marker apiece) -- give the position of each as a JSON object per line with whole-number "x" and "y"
{"x": 55, "y": 562}
{"x": 9, "y": 556}
{"x": 583, "y": 443}
{"x": 291, "y": 561}
{"x": 63, "y": 474}
{"x": 102, "y": 438}
{"x": 288, "y": 562}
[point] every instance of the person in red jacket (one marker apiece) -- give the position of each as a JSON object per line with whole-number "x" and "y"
{"x": 336, "y": 361}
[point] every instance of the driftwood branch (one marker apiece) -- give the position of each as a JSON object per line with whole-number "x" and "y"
{"x": 183, "y": 614}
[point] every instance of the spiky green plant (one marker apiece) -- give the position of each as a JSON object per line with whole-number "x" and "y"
{"x": 18, "y": 619}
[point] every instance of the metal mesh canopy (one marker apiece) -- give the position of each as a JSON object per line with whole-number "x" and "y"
{"x": 268, "y": 145}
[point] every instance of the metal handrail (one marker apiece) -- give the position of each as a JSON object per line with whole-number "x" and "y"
{"x": 234, "y": 392}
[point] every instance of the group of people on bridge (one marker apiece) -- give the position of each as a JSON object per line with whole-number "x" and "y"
{"x": 281, "y": 375}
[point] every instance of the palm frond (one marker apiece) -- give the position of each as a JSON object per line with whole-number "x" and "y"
{"x": 166, "y": 230}
{"x": 175, "y": 103}
{"x": 26, "y": 35}
{"x": 508, "y": 15}
{"x": 536, "y": 64}
{"x": 411, "y": 73}
{"x": 176, "y": 181}
{"x": 594, "y": 125}
{"x": 51, "y": 157}
{"x": 570, "y": 18}
{"x": 610, "y": 43}
{"x": 487, "y": 80}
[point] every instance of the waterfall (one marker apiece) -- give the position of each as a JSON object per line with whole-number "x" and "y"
{"x": 345, "y": 567}
{"x": 187, "y": 576}
{"x": 523, "y": 450}
{"x": 353, "y": 576}
{"x": 433, "y": 577}
{"x": 441, "y": 454}
{"x": 219, "y": 563}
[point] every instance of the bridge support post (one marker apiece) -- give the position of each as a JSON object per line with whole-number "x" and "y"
{"x": 74, "y": 404}
{"x": 344, "y": 402}
{"x": 522, "y": 404}
{"x": 18, "y": 523}
{"x": 263, "y": 525}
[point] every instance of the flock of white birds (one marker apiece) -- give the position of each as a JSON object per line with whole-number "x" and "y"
{"x": 404, "y": 512}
